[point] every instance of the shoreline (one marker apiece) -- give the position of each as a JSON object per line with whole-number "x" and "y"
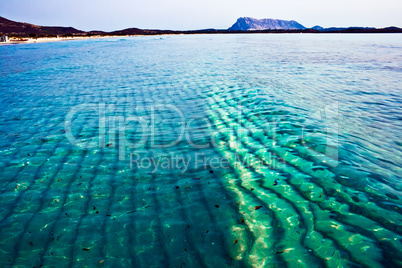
{"x": 28, "y": 40}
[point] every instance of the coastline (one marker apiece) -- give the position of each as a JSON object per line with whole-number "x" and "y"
{"x": 13, "y": 32}
{"x": 28, "y": 40}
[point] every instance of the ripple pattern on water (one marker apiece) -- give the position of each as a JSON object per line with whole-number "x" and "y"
{"x": 202, "y": 151}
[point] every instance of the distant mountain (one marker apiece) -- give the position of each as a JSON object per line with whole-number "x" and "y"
{"x": 250, "y": 24}
{"x": 318, "y": 28}
{"x": 9, "y": 27}
{"x": 242, "y": 25}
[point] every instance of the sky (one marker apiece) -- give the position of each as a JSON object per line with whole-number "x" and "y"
{"x": 109, "y": 15}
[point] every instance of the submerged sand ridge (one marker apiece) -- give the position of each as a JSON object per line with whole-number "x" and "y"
{"x": 276, "y": 185}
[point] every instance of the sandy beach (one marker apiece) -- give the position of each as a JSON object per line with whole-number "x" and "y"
{"x": 50, "y": 39}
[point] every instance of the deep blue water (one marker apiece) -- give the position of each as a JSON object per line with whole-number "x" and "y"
{"x": 263, "y": 150}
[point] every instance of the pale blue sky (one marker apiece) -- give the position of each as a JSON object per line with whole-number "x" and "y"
{"x": 111, "y": 15}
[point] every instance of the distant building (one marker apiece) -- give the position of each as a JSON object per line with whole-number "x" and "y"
{"x": 3, "y": 38}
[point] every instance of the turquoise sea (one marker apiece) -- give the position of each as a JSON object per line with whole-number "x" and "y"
{"x": 253, "y": 150}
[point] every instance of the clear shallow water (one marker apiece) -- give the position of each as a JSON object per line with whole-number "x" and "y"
{"x": 287, "y": 152}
